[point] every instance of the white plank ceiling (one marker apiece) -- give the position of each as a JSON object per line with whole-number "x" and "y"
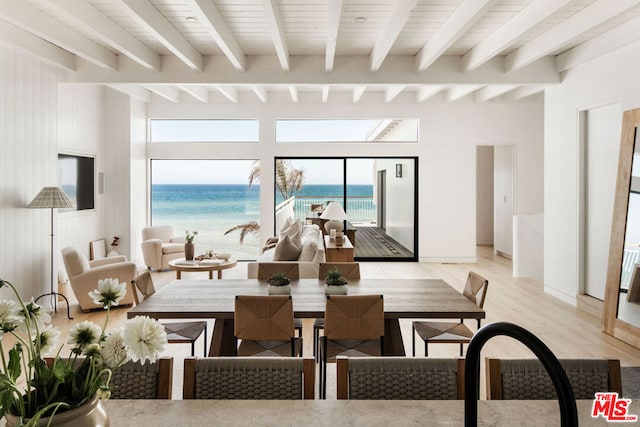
{"x": 177, "y": 50}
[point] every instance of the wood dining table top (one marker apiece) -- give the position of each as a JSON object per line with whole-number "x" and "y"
{"x": 403, "y": 298}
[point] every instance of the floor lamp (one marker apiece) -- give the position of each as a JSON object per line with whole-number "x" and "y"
{"x": 52, "y": 198}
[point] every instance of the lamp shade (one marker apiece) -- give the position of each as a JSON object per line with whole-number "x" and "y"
{"x": 334, "y": 211}
{"x": 50, "y": 197}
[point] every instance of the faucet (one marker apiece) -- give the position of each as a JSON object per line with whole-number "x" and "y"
{"x": 566, "y": 398}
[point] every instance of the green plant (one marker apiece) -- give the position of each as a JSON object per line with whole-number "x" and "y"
{"x": 279, "y": 279}
{"x": 31, "y": 389}
{"x": 334, "y": 278}
{"x": 190, "y": 236}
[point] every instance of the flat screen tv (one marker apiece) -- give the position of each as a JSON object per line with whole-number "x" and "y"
{"x": 76, "y": 177}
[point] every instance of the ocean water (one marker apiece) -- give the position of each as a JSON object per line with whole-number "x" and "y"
{"x": 213, "y": 209}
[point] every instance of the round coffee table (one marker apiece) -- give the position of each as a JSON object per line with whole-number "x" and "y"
{"x": 180, "y": 265}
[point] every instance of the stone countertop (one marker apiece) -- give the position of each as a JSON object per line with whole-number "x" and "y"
{"x": 341, "y": 413}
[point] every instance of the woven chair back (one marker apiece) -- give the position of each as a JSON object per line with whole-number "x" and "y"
{"x": 247, "y": 378}
{"x": 475, "y": 289}
{"x": 135, "y": 380}
{"x": 268, "y": 269}
{"x": 405, "y": 378}
{"x": 144, "y": 284}
{"x": 348, "y": 270}
{"x": 528, "y": 379}
{"x": 354, "y": 317}
{"x": 264, "y": 317}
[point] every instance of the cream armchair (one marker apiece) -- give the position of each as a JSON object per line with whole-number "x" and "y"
{"x": 84, "y": 275}
{"x": 159, "y": 246}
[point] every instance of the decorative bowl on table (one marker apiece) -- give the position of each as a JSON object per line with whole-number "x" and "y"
{"x": 223, "y": 256}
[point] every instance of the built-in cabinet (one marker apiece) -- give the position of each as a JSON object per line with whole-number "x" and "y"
{"x": 503, "y": 200}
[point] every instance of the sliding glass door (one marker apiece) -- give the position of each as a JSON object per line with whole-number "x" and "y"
{"x": 378, "y": 195}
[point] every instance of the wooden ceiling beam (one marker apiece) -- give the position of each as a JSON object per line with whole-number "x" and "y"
{"x": 210, "y": 18}
{"x": 30, "y": 19}
{"x": 155, "y": 23}
{"x": 583, "y": 21}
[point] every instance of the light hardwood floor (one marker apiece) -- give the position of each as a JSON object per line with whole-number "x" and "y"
{"x": 568, "y": 331}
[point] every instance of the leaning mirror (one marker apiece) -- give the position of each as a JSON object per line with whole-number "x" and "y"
{"x": 622, "y": 297}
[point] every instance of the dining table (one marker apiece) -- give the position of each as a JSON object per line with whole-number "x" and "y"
{"x": 403, "y": 299}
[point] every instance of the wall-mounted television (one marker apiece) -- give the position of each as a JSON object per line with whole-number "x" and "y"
{"x": 76, "y": 177}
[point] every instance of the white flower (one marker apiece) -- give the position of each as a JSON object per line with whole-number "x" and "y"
{"x": 49, "y": 339}
{"x": 144, "y": 338}
{"x": 35, "y": 313}
{"x": 109, "y": 293}
{"x": 113, "y": 350}
{"x": 84, "y": 334}
{"x": 10, "y": 317}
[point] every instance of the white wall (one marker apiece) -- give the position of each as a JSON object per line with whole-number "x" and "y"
{"x": 28, "y": 162}
{"x": 612, "y": 78}
{"x": 399, "y": 200}
{"x": 139, "y": 184}
{"x": 449, "y": 134}
{"x": 81, "y": 132}
{"x": 602, "y": 147}
{"x": 484, "y": 196}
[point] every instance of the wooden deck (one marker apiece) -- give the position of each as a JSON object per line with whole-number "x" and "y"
{"x": 373, "y": 242}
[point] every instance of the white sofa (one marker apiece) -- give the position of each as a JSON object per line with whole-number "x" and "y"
{"x": 311, "y": 254}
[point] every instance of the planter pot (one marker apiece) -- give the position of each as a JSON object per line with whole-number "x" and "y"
{"x": 189, "y": 251}
{"x": 91, "y": 413}
{"x": 280, "y": 290}
{"x": 335, "y": 289}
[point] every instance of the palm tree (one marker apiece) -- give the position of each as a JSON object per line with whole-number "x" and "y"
{"x": 289, "y": 180}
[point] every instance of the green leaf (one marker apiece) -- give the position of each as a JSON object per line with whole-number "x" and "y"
{"x": 14, "y": 368}
{"x": 60, "y": 371}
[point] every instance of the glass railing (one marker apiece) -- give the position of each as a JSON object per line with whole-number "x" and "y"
{"x": 359, "y": 209}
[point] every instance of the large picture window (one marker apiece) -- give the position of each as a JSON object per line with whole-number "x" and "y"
{"x": 212, "y": 197}
{"x": 203, "y": 130}
{"x": 347, "y": 130}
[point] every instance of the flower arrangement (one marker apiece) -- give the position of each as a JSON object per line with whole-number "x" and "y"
{"x": 115, "y": 242}
{"x": 334, "y": 278}
{"x": 190, "y": 236}
{"x": 68, "y": 382}
{"x": 279, "y": 279}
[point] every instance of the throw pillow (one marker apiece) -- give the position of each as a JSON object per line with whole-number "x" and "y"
{"x": 286, "y": 224}
{"x": 308, "y": 251}
{"x": 286, "y": 250}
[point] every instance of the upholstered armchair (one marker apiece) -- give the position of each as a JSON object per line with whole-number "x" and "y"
{"x": 159, "y": 246}
{"x": 84, "y": 275}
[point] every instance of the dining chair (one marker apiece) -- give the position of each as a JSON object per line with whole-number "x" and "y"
{"x": 177, "y": 332}
{"x": 135, "y": 380}
{"x": 290, "y": 269}
{"x": 348, "y": 270}
{"x": 264, "y": 326}
{"x": 475, "y": 290}
{"x": 249, "y": 378}
{"x": 527, "y": 379}
{"x": 404, "y": 378}
{"x": 353, "y": 326}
